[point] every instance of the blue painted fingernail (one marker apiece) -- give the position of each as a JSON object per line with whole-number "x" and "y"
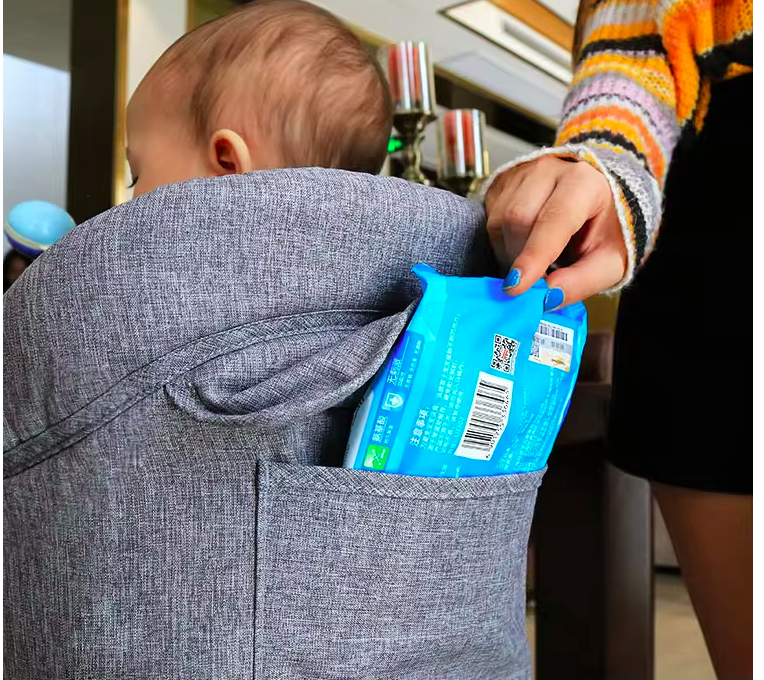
{"x": 513, "y": 278}
{"x": 553, "y": 299}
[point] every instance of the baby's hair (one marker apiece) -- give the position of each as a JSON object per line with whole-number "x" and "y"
{"x": 294, "y": 72}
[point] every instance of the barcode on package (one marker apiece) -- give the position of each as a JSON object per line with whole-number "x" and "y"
{"x": 552, "y": 346}
{"x": 487, "y": 418}
{"x": 504, "y": 353}
{"x": 554, "y": 331}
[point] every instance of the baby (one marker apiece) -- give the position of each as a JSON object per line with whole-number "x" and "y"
{"x": 275, "y": 84}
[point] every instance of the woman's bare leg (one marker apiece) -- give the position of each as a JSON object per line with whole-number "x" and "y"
{"x": 713, "y": 539}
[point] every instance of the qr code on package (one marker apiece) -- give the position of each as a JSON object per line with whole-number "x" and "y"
{"x": 504, "y": 353}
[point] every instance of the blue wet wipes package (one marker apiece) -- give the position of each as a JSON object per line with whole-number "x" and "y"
{"x": 478, "y": 384}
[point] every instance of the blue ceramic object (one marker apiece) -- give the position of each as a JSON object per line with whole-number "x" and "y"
{"x": 34, "y": 226}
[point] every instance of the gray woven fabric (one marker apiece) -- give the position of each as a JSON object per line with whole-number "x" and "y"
{"x": 179, "y": 378}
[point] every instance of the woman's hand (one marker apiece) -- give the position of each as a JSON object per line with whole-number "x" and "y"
{"x": 554, "y": 211}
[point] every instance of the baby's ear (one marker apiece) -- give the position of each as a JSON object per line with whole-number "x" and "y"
{"x": 229, "y": 153}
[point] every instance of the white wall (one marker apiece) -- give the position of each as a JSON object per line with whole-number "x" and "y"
{"x": 35, "y": 133}
{"x": 153, "y": 25}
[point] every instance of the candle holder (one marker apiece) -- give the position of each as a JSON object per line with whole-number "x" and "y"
{"x": 412, "y": 85}
{"x": 462, "y": 156}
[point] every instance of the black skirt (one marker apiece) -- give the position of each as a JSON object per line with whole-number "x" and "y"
{"x": 681, "y": 401}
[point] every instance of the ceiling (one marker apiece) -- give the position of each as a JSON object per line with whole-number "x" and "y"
{"x": 461, "y": 51}
{"x": 38, "y": 31}
{"x": 470, "y": 58}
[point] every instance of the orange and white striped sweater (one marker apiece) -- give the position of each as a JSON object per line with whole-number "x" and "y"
{"x": 642, "y": 85}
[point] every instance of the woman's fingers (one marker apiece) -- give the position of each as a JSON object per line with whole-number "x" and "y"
{"x": 570, "y": 205}
{"x": 514, "y": 213}
{"x": 538, "y": 210}
{"x": 502, "y": 195}
{"x": 596, "y": 271}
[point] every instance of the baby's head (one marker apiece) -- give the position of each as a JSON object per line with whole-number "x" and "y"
{"x": 275, "y": 84}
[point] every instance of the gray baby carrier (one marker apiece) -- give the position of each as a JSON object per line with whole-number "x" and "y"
{"x": 180, "y": 378}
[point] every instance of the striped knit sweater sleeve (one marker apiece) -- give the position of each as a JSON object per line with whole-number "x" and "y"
{"x": 620, "y": 116}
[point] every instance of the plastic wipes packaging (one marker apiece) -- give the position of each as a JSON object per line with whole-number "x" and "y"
{"x": 478, "y": 384}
